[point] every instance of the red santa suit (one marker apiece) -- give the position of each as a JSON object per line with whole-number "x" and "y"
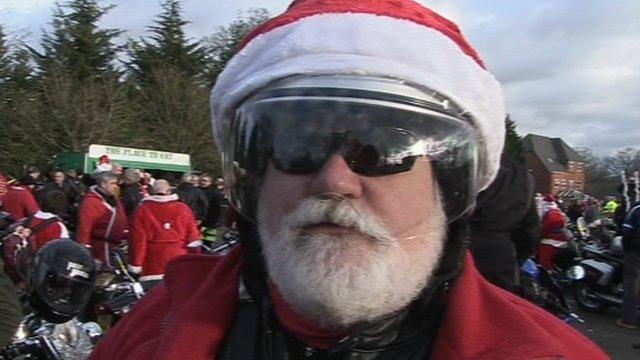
{"x": 51, "y": 231}
{"x": 553, "y": 233}
{"x": 102, "y": 223}
{"x": 19, "y": 202}
{"x": 161, "y": 228}
{"x": 191, "y": 315}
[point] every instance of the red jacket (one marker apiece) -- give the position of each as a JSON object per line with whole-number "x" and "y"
{"x": 52, "y": 231}
{"x": 190, "y": 314}
{"x": 552, "y": 225}
{"x": 100, "y": 225}
{"x": 19, "y": 202}
{"x": 162, "y": 227}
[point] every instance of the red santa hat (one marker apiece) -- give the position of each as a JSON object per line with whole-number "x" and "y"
{"x": 397, "y": 39}
{"x": 104, "y": 159}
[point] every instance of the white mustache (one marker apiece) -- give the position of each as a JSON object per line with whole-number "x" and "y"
{"x": 338, "y": 210}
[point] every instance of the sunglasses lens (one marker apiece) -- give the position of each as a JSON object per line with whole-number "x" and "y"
{"x": 300, "y": 157}
{"x": 380, "y": 151}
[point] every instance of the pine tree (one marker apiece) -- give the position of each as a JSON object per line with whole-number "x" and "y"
{"x": 75, "y": 98}
{"x": 513, "y": 145}
{"x": 5, "y": 61}
{"x": 167, "y": 47}
{"x": 77, "y": 45}
{"x": 223, "y": 44}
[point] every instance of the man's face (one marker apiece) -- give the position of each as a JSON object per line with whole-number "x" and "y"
{"x": 205, "y": 182}
{"x": 344, "y": 248}
{"x": 110, "y": 187}
{"x": 219, "y": 184}
{"x": 58, "y": 177}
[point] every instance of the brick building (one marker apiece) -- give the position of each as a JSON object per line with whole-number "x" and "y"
{"x": 555, "y": 165}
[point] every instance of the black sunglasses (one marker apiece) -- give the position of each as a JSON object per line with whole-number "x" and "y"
{"x": 373, "y": 151}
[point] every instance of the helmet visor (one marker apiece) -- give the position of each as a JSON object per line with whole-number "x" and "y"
{"x": 64, "y": 294}
{"x": 297, "y": 135}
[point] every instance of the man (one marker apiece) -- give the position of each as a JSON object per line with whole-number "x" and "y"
{"x": 610, "y": 206}
{"x": 353, "y": 173}
{"x": 554, "y": 232}
{"x": 131, "y": 190}
{"x": 161, "y": 229}
{"x": 37, "y": 183}
{"x": 193, "y": 197}
{"x": 505, "y": 228}
{"x": 47, "y": 224}
{"x": 19, "y": 202}
{"x": 214, "y": 198}
{"x": 102, "y": 221}
{"x": 61, "y": 183}
{"x": 631, "y": 276}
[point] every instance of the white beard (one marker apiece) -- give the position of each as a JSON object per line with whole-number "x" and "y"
{"x": 340, "y": 281}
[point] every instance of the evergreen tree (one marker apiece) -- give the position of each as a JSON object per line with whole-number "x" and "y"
{"x": 513, "y": 143}
{"x": 75, "y": 98}
{"x": 77, "y": 45}
{"x": 224, "y": 43}
{"x": 5, "y": 62}
{"x": 167, "y": 47}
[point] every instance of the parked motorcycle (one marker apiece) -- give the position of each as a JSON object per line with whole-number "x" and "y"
{"x": 39, "y": 339}
{"x": 600, "y": 287}
{"x": 61, "y": 277}
{"x": 116, "y": 291}
{"x": 537, "y": 286}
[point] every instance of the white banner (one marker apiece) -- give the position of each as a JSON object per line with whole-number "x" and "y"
{"x": 116, "y": 153}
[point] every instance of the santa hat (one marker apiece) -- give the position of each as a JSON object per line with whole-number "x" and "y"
{"x": 397, "y": 39}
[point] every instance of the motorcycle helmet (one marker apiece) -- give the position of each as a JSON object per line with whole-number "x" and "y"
{"x": 61, "y": 279}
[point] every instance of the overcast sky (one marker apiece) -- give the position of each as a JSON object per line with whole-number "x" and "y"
{"x": 570, "y": 68}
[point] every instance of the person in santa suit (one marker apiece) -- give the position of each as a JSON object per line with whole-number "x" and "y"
{"x": 19, "y": 202}
{"x": 553, "y": 231}
{"x": 102, "y": 221}
{"x": 54, "y": 207}
{"x": 161, "y": 229}
{"x": 355, "y": 136}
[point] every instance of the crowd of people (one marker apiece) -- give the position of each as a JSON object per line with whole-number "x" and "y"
{"x": 601, "y": 220}
{"x": 113, "y": 207}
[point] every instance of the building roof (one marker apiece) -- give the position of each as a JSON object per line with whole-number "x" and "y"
{"x": 554, "y": 153}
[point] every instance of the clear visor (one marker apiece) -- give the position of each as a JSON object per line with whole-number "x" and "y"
{"x": 347, "y": 162}
{"x": 62, "y": 293}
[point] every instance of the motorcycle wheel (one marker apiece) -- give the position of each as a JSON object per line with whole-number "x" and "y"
{"x": 583, "y": 294}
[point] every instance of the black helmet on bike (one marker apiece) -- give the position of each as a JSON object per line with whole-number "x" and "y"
{"x": 61, "y": 280}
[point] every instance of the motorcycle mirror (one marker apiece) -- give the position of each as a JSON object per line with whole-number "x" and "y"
{"x": 576, "y": 272}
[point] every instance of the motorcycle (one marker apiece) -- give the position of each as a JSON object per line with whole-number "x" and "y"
{"x": 600, "y": 285}
{"x": 50, "y": 330}
{"x": 225, "y": 242}
{"x": 39, "y": 339}
{"x": 116, "y": 292}
{"x": 538, "y": 286}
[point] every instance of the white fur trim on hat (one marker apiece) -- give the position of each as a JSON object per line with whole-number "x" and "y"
{"x": 371, "y": 45}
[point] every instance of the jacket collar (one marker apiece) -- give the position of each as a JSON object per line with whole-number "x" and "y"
{"x": 162, "y": 198}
